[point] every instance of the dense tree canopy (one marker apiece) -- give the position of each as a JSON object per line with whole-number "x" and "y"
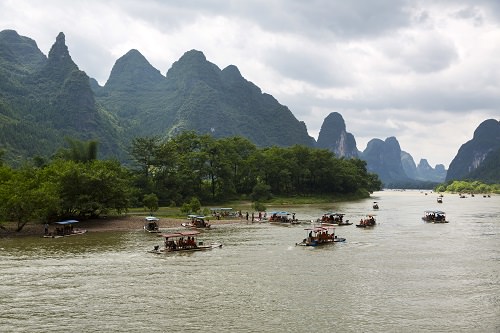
{"x": 63, "y": 189}
{"x": 191, "y": 165}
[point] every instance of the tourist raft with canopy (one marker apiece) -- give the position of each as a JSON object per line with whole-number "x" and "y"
{"x": 183, "y": 241}
{"x": 151, "y": 224}
{"x": 282, "y": 217}
{"x": 196, "y": 222}
{"x": 321, "y": 235}
{"x": 64, "y": 229}
{"x": 334, "y": 218}
{"x": 368, "y": 222}
{"x": 435, "y": 216}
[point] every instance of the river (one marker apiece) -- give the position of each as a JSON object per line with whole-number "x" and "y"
{"x": 403, "y": 275}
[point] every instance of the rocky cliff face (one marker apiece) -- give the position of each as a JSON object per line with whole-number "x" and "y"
{"x": 334, "y": 137}
{"x": 384, "y": 159}
{"x": 471, "y": 154}
{"x": 74, "y": 105}
{"x": 409, "y": 165}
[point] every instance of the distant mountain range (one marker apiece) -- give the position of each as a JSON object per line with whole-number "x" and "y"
{"x": 45, "y": 99}
{"x": 394, "y": 167}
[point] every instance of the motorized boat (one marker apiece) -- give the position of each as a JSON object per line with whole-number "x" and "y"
{"x": 320, "y": 235}
{"x": 439, "y": 199}
{"x": 224, "y": 212}
{"x": 185, "y": 241}
{"x": 334, "y": 218}
{"x": 434, "y": 216}
{"x": 151, "y": 224}
{"x": 196, "y": 222}
{"x": 283, "y": 217}
{"x": 367, "y": 222}
{"x": 64, "y": 229}
{"x": 375, "y": 205}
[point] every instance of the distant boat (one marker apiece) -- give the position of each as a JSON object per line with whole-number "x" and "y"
{"x": 196, "y": 222}
{"x": 440, "y": 199}
{"x": 375, "y": 205}
{"x": 334, "y": 218}
{"x": 434, "y": 216}
{"x": 283, "y": 217}
{"x": 64, "y": 229}
{"x": 151, "y": 224}
{"x": 367, "y": 222}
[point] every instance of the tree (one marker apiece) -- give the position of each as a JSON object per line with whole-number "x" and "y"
{"x": 191, "y": 165}
{"x": 2, "y": 154}
{"x": 24, "y": 196}
{"x": 150, "y": 201}
{"x": 79, "y": 151}
{"x": 260, "y": 192}
{"x": 194, "y": 206}
{"x": 144, "y": 152}
{"x": 90, "y": 189}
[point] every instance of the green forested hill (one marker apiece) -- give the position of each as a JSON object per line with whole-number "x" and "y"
{"x": 196, "y": 95}
{"x": 44, "y": 100}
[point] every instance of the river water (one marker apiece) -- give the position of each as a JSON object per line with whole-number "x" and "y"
{"x": 403, "y": 275}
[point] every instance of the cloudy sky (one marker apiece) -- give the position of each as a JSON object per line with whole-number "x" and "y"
{"x": 426, "y": 72}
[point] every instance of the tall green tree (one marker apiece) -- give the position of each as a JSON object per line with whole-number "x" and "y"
{"x": 79, "y": 151}
{"x": 25, "y": 196}
{"x": 150, "y": 201}
{"x": 144, "y": 152}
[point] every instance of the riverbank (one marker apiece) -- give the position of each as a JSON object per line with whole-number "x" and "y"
{"x": 113, "y": 223}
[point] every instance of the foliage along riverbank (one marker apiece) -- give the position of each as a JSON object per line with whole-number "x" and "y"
{"x": 172, "y": 217}
{"x": 464, "y": 186}
{"x": 185, "y": 171}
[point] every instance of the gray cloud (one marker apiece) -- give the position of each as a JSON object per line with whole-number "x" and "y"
{"x": 429, "y": 54}
{"x": 316, "y": 68}
{"x": 331, "y": 18}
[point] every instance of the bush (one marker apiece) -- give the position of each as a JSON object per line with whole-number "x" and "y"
{"x": 261, "y": 191}
{"x": 259, "y": 206}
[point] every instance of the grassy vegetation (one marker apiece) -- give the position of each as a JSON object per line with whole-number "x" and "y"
{"x": 314, "y": 199}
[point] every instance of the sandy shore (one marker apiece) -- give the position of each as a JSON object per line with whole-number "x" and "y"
{"x": 120, "y": 223}
{"x": 130, "y": 223}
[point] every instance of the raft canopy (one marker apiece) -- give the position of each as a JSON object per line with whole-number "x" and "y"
{"x": 440, "y": 212}
{"x": 67, "y": 222}
{"x": 181, "y": 234}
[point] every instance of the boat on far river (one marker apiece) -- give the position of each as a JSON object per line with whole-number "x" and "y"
{"x": 64, "y": 229}
{"x": 435, "y": 216}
